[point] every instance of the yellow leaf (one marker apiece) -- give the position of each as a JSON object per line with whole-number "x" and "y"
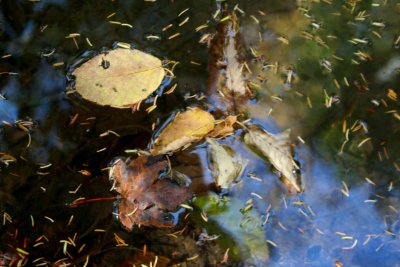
{"x": 119, "y": 78}
{"x": 187, "y": 127}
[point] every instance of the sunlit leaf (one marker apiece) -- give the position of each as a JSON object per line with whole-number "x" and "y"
{"x": 187, "y": 127}
{"x": 277, "y": 149}
{"x": 146, "y": 198}
{"x": 119, "y": 78}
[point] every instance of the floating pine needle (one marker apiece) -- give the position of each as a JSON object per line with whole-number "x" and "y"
{"x": 174, "y": 36}
{"x": 120, "y": 241}
{"x": 345, "y": 189}
{"x": 226, "y": 257}
{"x": 81, "y": 201}
{"x": 364, "y": 141}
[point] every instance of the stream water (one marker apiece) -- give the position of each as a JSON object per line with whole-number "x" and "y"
{"x": 328, "y": 71}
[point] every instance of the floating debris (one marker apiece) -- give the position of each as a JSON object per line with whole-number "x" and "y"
{"x": 227, "y": 74}
{"x": 277, "y": 149}
{"x": 226, "y": 169}
{"x": 146, "y": 199}
{"x": 186, "y": 128}
{"x": 129, "y": 77}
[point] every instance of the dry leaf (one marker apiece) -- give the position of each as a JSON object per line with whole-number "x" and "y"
{"x": 227, "y": 72}
{"x": 277, "y": 149}
{"x": 187, "y": 127}
{"x": 223, "y": 128}
{"x": 119, "y": 78}
{"x": 146, "y": 198}
{"x": 225, "y": 168}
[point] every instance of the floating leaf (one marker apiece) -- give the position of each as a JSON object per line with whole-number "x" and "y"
{"x": 223, "y": 128}
{"x": 227, "y": 72}
{"x": 225, "y": 168}
{"x": 277, "y": 149}
{"x": 119, "y": 78}
{"x": 187, "y": 127}
{"x": 145, "y": 197}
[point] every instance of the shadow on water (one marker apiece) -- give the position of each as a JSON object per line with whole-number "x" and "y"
{"x": 330, "y": 72}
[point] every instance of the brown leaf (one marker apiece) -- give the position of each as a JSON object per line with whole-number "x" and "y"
{"x": 223, "y": 128}
{"x": 187, "y": 127}
{"x": 146, "y": 198}
{"x": 228, "y": 73}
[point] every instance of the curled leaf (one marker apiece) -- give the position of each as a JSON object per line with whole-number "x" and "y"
{"x": 146, "y": 198}
{"x": 277, "y": 149}
{"x": 119, "y": 78}
{"x": 187, "y": 127}
{"x": 223, "y": 128}
{"x": 225, "y": 168}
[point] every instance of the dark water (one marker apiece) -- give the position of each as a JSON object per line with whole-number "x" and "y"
{"x": 330, "y": 72}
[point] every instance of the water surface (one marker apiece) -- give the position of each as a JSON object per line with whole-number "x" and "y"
{"x": 329, "y": 72}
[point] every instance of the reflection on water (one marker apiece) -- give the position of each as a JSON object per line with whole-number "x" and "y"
{"x": 327, "y": 71}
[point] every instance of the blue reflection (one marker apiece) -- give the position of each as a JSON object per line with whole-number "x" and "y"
{"x": 27, "y": 32}
{"x": 340, "y": 227}
{"x": 8, "y": 111}
{"x": 39, "y": 6}
{"x": 49, "y": 85}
